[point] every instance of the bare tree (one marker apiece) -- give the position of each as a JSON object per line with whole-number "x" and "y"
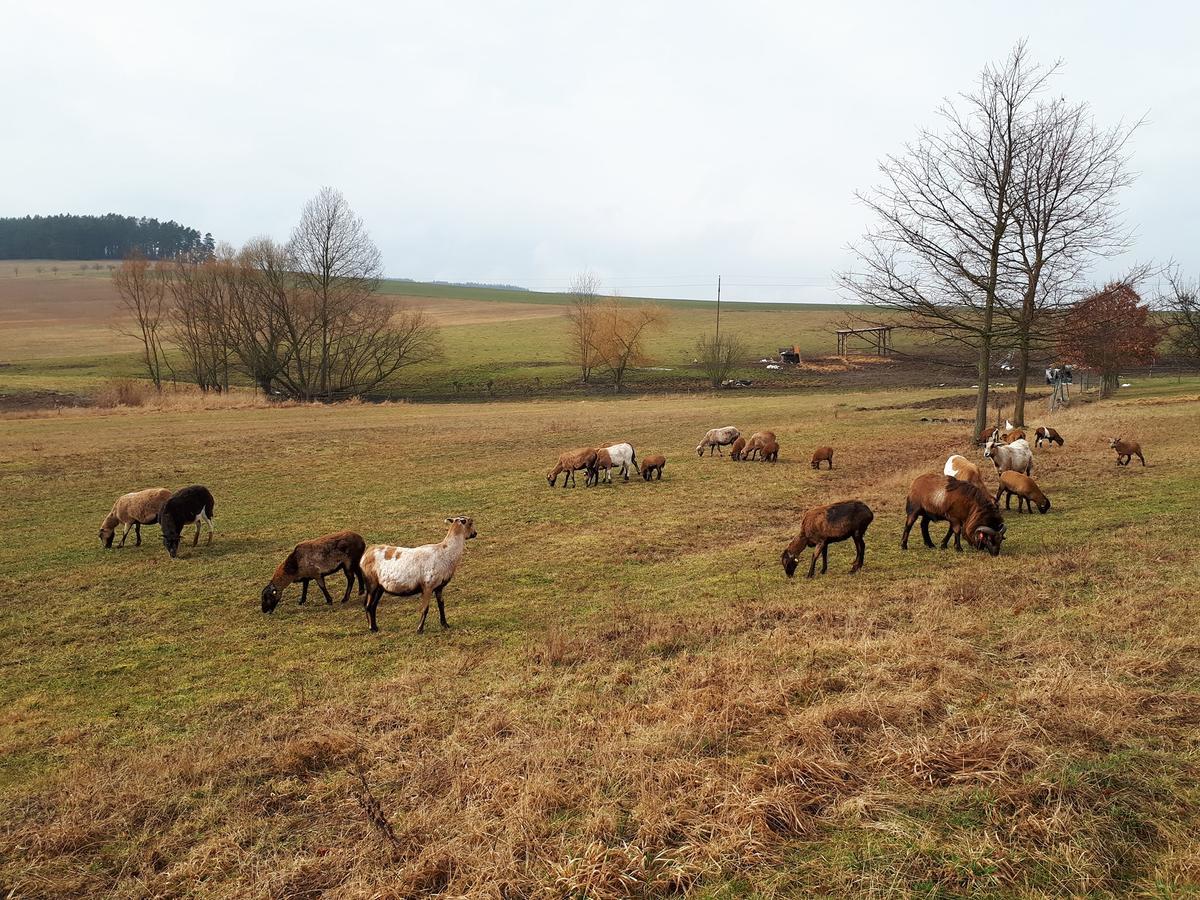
{"x": 1182, "y": 311}
{"x": 620, "y": 338}
{"x": 582, "y": 321}
{"x": 201, "y": 319}
{"x": 1065, "y": 215}
{"x": 718, "y": 355}
{"x": 142, "y": 294}
{"x": 935, "y": 259}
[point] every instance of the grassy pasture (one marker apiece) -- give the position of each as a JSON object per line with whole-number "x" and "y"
{"x": 632, "y": 698}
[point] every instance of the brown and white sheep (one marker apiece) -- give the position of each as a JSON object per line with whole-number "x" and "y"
{"x": 133, "y": 510}
{"x": 964, "y": 470}
{"x": 1047, "y": 435}
{"x": 571, "y": 462}
{"x": 408, "y": 571}
{"x": 193, "y": 503}
{"x": 1025, "y": 488}
{"x": 738, "y": 446}
{"x": 757, "y": 441}
{"x": 1126, "y": 450}
{"x": 1014, "y": 457}
{"x": 652, "y": 466}
{"x": 822, "y": 454}
{"x": 825, "y": 525}
{"x": 969, "y": 511}
{"x": 716, "y": 438}
{"x": 341, "y": 551}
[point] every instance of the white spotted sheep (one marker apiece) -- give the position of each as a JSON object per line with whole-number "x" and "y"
{"x": 133, "y": 510}
{"x": 409, "y": 571}
{"x": 314, "y": 559}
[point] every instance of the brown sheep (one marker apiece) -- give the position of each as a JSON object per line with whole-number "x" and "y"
{"x": 570, "y": 462}
{"x": 1015, "y": 435}
{"x": 1045, "y": 434}
{"x": 822, "y": 454}
{"x": 1025, "y": 488}
{"x": 770, "y": 451}
{"x": 964, "y": 470}
{"x": 317, "y": 558}
{"x": 653, "y": 466}
{"x": 133, "y": 511}
{"x": 1126, "y": 450}
{"x": 738, "y": 446}
{"x": 757, "y": 441}
{"x": 938, "y": 498}
{"x": 825, "y": 525}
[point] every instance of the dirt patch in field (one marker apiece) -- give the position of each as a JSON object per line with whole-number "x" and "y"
{"x": 449, "y": 312}
{"x": 29, "y": 401}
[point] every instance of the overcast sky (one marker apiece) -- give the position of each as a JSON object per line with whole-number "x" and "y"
{"x": 657, "y": 144}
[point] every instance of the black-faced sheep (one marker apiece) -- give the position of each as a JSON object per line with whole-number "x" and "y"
{"x": 1126, "y": 450}
{"x": 969, "y": 511}
{"x": 716, "y": 438}
{"x": 341, "y": 551}
{"x": 408, "y": 571}
{"x": 1026, "y": 489}
{"x": 652, "y": 467}
{"x": 825, "y": 525}
{"x": 822, "y": 455}
{"x": 571, "y": 462}
{"x": 187, "y": 505}
{"x": 133, "y": 511}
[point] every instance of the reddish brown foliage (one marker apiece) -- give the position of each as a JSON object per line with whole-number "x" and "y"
{"x": 1110, "y": 330}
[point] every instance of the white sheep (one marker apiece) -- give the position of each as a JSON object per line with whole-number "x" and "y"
{"x": 620, "y": 456}
{"x": 408, "y": 571}
{"x": 717, "y": 438}
{"x": 1014, "y": 457}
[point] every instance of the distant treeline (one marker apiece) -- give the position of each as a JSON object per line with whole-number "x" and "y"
{"x": 466, "y": 284}
{"x": 98, "y": 237}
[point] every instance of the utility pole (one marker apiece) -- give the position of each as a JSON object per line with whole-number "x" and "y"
{"x": 718, "y": 341}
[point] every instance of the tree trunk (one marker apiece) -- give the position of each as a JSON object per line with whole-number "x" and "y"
{"x": 1022, "y": 382}
{"x": 1108, "y": 384}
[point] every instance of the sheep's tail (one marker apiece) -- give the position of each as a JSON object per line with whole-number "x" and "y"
{"x": 210, "y": 506}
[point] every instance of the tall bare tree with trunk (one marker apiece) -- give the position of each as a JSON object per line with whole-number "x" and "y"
{"x": 582, "y": 315}
{"x": 1181, "y": 307}
{"x": 620, "y": 338}
{"x": 935, "y": 259}
{"x": 1069, "y": 172}
{"x": 142, "y": 292}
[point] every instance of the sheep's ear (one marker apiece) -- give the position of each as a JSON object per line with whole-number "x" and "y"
{"x": 449, "y": 521}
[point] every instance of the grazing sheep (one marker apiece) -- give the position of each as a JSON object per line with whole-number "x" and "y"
{"x": 938, "y": 498}
{"x": 315, "y": 559}
{"x": 738, "y": 446}
{"x": 187, "y": 505}
{"x": 1126, "y": 450}
{"x": 1026, "y": 489}
{"x": 408, "y": 571}
{"x": 652, "y": 466}
{"x": 822, "y": 454}
{"x": 716, "y": 438}
{"x": 570, "y": 462}
{"x": 609, "y": 458}
{"x": 757, "y": 441}
{"x": 769, "y": 451}
{"x": 1045, "y": 434}
{"x": 1014, "y": 457}
{"x": 964, "y": 470}
{"x": 1015, "y": 435}
{"x": 133, "y": 511}
{"x": 825, "y": 525}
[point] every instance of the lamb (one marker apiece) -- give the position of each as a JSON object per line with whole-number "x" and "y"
{"x": 716, "y": 438}
{"x": 1026, "y": 489}
{"x": 1015, "y": 435}
{"x": 652, "y": 466}
{"x": 187, "y": 505}
{"x": 822, "y": 454}
{"x": 1014, "y": 457}
{"x": 133, "y": 511}
{"x": 769, "y": 452}
{"x": 964, "y": 470}
{"x": 738, "y": 446}
{"x": 1126, "y": 450}
{"x": 757, "y": 441}
{"x": 315, "y": 559}
{"x": 1045, "y": 434}
{"x": 408, "y": 571}
{"x": 934, "y": 497}
{"x": 570, "y": 462}
{"x": 825, "y": 525}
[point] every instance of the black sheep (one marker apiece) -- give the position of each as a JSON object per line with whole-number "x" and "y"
{"x": 187, "y": 505}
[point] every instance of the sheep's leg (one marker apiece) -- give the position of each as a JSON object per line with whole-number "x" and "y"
{"x": 441, "y": 607}
{"x": 908, "y": 524}
{"x": 196, "y": 536}
{"x": 812, "y": 566}
{"x": 304, "y": 592}
{"x": 946, "y": 539}
{"x": 860, "y": 551}
{"x": 1007, "y": 500}
{"x": 349, "y": 573}
{"x": 1143, "y": 459}
{"x": 925, "y": 532}
{"x": 372, "y": 604}
{"x": 824, "y": 558}
{"x": 958, "y": 537}
{"x": 124, "y": 535}
{"x": 426, "y": 596}
{"x": 324, "y": 589}
{"x": 137, "y": 530}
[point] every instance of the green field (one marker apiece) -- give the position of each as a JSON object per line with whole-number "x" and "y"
{"x": 632, "y": 699}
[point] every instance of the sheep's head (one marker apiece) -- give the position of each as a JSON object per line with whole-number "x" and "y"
{"x": 271, "y": 596}
{"x": 464, "y": 524}
{"x": 1044, "y": 505}
{"x": 989, "y": 539}
{"x": 989, "y": 449}
{"x": 108, "y": 528}
{"x": 700, "y": 450}
{"x": 789, "y": 560}
{"x": 1112, "y": 442}
{"x": 170, "y": 534}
